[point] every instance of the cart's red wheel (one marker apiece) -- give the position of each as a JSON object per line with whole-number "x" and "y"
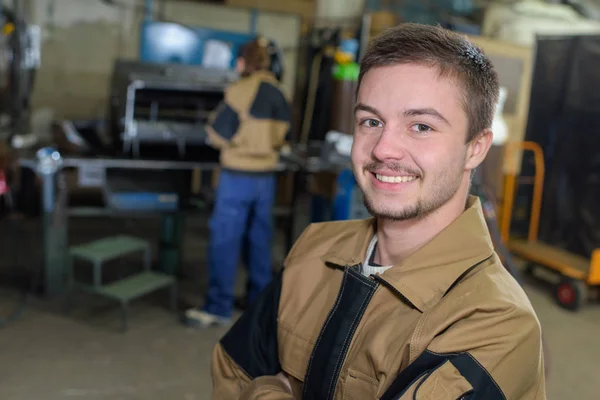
{"x": 570, "y": 293}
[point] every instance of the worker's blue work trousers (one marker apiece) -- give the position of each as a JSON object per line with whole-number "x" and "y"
{"x": 243, "y": 205}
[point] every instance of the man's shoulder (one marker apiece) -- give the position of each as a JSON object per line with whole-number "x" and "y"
{"x": 493, "y": 284}
{"x": 320, "y": 238}
{"x": 494, "y": 292}
{"x": 490, "y": 326}
{"x": 499, "y": 285}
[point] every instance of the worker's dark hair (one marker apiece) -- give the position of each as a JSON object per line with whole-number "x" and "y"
{"x": 255, "y": 56}
{"x": 455, "y": 57}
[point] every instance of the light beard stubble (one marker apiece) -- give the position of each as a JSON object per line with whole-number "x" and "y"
{"x": 409, "y": 213}
{"x": 445, "y": 188}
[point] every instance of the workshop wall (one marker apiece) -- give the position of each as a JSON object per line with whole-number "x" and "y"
{"x": 340, "y": 9}
{"x": 82, "y": 38}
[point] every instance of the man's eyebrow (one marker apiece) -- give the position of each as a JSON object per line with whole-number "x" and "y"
{"x": 364, "y": 107}
{"x": 426, "y": 111}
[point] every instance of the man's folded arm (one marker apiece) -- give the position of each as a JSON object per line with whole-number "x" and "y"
{"x": 246, "y": 359}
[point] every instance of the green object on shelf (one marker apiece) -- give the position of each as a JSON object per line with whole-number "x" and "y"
{"x": 346, "y": 72}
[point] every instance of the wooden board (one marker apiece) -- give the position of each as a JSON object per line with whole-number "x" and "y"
{"x": 567, "y": 263}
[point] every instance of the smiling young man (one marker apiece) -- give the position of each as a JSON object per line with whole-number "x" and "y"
{"x": 414, "y": 302}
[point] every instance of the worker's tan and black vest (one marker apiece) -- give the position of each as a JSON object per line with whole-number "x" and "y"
{"x": 251, "y": 125}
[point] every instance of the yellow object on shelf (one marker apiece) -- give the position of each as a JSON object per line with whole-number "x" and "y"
{"x": 343, "y": 58}
{"x": 7, "y": 29}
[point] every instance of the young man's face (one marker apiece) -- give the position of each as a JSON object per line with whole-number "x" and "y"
{"x": 409, "y": 153}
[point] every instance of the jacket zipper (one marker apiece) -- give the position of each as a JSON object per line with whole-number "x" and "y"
{"x": 356, "y": 267}
{"x": 354, "y": 270}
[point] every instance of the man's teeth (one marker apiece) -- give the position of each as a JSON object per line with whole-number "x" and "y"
{"x": 395, "y": 179}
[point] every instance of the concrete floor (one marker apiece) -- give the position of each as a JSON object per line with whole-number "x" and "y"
{"x": 48, "y": 355}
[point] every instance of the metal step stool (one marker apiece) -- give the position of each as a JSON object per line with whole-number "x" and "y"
{"x": 124, "y": 290}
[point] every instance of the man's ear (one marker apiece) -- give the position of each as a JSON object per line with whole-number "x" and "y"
{"x": 478, "y": 148}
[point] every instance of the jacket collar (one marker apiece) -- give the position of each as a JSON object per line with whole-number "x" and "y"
{"x": 424, "y": 277}
{"x": 263, "y": 75}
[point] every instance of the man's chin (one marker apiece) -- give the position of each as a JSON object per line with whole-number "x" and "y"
{"x": 392, "y": 211}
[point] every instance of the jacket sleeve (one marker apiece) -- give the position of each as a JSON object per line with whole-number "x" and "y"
{"x": 246, "y": 359}
{"x": 482, "y": 357}
{"x": 282, "y": 114}
{"x": 222, "y": 126}
{"x": 271, "y": 104}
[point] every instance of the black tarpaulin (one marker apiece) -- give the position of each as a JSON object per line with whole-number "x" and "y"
{"x": 564, "y": 118}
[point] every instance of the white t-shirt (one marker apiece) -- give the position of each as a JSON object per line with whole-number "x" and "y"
{"x": 369, "y": 267}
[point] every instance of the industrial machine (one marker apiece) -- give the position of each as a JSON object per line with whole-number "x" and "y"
{"x": 576, "y": 274}
{"x": 167, "y": 96}
{"x": 166, "y": 104}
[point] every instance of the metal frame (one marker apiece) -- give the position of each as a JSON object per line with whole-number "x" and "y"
{"x": 130, "y": 136}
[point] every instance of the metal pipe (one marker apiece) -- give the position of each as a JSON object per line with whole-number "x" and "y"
{"x": 365, "y": 35}
{"x": 509, "y": 197}
{"x": 130, "y": 127}
{"x": 253, "y": 21}
{"x": 538, "y": 188}
{"x": 148, "y": 8}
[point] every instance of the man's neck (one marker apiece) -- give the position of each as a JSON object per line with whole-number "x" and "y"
{"x": 396, "y": 240}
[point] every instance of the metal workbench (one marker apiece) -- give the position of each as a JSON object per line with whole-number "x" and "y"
{"x": 48, "y": 164}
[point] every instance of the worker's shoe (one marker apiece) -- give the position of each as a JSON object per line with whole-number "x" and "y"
{"x": 201, "y": 319}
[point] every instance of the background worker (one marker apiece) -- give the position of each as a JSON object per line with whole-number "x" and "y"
{"x": 250, "y": 128}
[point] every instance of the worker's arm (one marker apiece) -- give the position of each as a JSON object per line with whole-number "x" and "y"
{"x": 221, "y": 127}
{"x": 282, "y": 115}
{"x": 270, "y": 104}
{"x": 245, "y": 362}
{"x": 488, "y": 355}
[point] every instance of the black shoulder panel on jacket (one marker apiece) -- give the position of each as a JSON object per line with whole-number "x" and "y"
{"x": 484, "y": 386}
{"x": 252, "y": 341}
{"x": 226, "y": 122}
{"x": 270, "y": 103}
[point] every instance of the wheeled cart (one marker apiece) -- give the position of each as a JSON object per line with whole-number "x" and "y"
{"x": 577, "y": 275}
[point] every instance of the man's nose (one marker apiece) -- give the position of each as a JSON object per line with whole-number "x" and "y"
{"x": 390, "y": 146}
